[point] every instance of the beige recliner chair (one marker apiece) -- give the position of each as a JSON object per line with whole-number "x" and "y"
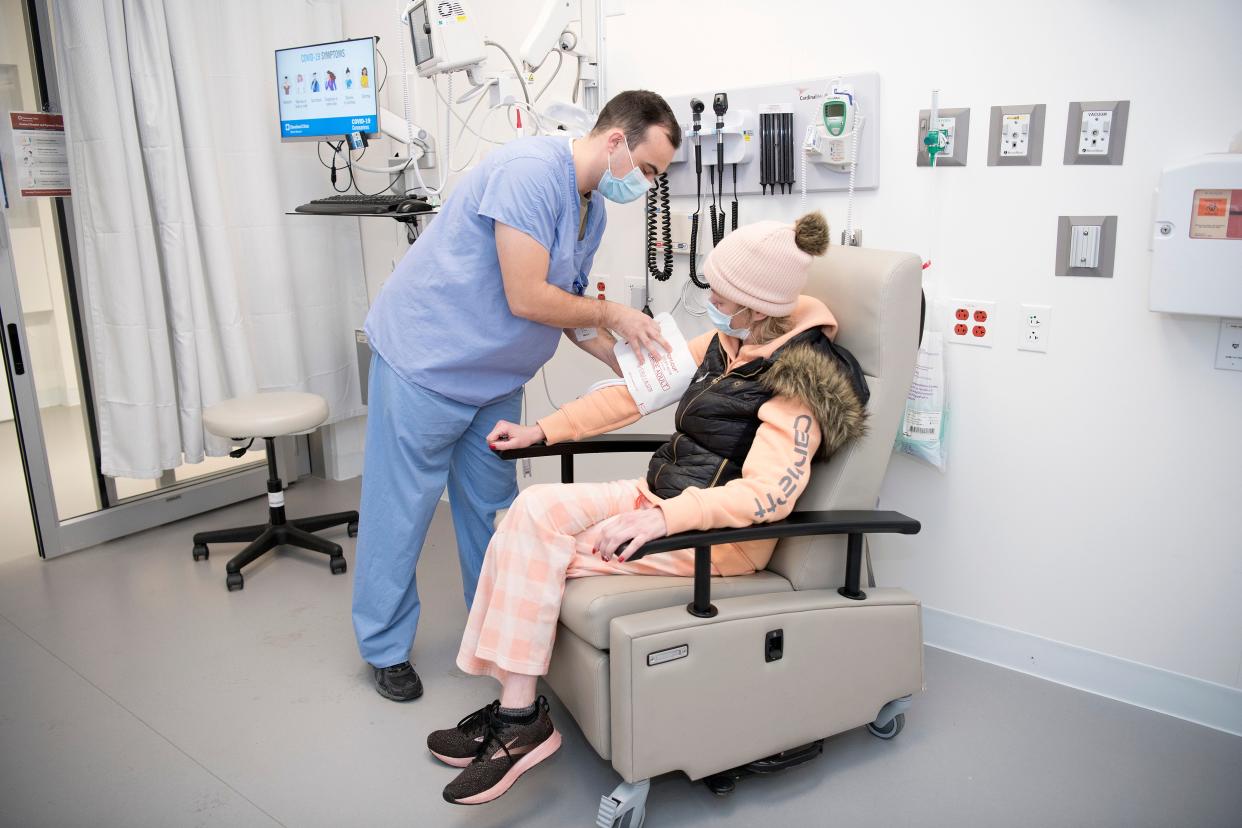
{"x": 788, "y": 656}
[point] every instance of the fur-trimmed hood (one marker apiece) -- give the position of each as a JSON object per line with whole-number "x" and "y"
{"x": 823, "y": 384}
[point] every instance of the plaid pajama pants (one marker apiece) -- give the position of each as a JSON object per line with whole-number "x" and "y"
{"x": 547, "y": 536}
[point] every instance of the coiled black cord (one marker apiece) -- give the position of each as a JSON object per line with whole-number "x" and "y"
{"x": 698, "y": 207}
{"x": 734, "y": 196}
{"x": 718, "y": 222}
{"x": 658, "y": 200}
{"x": 694, "y": 252}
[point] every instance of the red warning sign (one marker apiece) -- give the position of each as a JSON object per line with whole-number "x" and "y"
{"x": 1216, "y": 214}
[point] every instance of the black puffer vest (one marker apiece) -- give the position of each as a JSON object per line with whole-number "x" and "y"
{"x": 718, "y": 417}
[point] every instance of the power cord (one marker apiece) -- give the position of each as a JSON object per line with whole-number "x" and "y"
{"x": 659, "y": 217}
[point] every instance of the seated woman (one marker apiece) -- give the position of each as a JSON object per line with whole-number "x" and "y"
{"x": 771, "y": 389}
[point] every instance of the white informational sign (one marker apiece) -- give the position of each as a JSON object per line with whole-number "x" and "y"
{"x": 328, "y": 89}
{"x": 39, "y": 154}
{"x": 658, "y": 383}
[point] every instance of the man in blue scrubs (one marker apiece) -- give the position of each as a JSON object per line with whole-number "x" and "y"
{"x": 473, "y": 311}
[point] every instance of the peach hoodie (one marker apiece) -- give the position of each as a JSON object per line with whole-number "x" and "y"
{"x": 755, "y": 497}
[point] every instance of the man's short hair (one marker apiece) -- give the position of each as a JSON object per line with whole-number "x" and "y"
{"x": 633, "y": 112}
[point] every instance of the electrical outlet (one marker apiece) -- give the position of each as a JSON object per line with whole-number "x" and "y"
{"x": 968, "y": 321}
{"x": 1033, "y": 332}
{"x": 680, "y": 225}
{"x": 637, "y": 296}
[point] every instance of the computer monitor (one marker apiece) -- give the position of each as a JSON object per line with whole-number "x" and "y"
{"x": 327, "y": 90}
{"x": 420, "y": 35}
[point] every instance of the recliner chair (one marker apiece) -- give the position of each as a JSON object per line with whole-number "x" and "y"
{"x": 637, "y": 666}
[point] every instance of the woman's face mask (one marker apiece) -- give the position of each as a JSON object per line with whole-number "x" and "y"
{"x": 623, "y": 190}
{"x": 721, "y": 321}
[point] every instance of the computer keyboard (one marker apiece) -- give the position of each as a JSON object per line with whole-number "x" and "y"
{"x": 351, "y": 203}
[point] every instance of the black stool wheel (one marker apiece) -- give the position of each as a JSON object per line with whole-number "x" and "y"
{"x": 337, "y": 564}
{"x": 200, "y": 552}
{"x": 234, "y": 581}
{"x": 352, "y": 529}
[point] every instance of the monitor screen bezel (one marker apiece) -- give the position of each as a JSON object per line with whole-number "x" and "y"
{"x": 316, "y": 138}
{"x": 424, "y": 7}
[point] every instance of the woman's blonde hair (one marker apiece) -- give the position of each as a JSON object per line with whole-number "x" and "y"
{"x": 765, "y": 330}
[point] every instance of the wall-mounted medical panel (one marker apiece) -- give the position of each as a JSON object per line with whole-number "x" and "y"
{"x": 765, "y": 130}
{"x": 956, "y": 126}
{"x": 1017, "y": 136}
{"x": 1095, "y": 132}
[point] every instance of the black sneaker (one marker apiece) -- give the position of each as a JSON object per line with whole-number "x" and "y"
{"x": 398, "y": 682}
{"x": 458, "y": 745}
{"x": 507, "y": 751}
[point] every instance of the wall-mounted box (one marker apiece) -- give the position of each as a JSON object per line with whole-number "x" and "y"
{"x": 1196, "y": 238}
{"x": 1017, "y": 136}
{"x": 1095, "y": 132}
{"x": 1086, "y": 245}
{"x": 954, "y": 121}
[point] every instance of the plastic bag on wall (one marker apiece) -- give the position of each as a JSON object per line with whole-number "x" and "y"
{"x": 924, "y": 425}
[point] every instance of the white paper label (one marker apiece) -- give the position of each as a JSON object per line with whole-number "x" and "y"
{"x": 923, "y": 426}
{"x": 585, "y": 334}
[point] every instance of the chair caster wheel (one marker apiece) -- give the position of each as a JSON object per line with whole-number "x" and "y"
{"x": 200, "y": 552}
{"x": 234, "y": 581}
{"x": 352, "y": 529}
{"x": 337, "y": 565}
{"x": 720, "y": 784}
{"x": 890, "y": 730}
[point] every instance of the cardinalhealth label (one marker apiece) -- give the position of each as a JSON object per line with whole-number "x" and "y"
{"x": 39, "y": 153}
{"x": 1216, "y": 214}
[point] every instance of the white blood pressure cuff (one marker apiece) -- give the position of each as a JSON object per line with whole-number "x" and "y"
{"x": 658, "y": 383}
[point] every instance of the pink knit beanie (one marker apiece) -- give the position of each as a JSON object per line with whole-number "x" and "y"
{"x": 764, "y": 265}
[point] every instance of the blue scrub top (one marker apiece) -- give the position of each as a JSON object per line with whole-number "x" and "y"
{"x": 441, "y": 320}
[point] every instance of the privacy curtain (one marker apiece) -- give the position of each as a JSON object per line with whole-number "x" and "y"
{"x": 198, "y": 287}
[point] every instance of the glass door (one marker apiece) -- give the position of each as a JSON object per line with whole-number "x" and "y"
{"x": 21, "y": 541}
{"x": 53, "y": 422}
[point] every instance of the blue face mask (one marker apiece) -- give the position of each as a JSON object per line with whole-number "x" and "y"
{"x": 623, "y": 190}
{"x": 722, "y": 322}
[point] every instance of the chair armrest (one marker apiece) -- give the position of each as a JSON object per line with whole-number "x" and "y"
{"x": 839, "y": 522}
{"x": 603, "y": 444}
{"x": 854, "y": 523}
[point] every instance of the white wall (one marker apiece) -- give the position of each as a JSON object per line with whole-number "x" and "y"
{"x": 1092, "y": 493}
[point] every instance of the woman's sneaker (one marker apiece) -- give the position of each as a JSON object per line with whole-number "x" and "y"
{"x": 458, "y": 745}
{"x": 507, "y": 750}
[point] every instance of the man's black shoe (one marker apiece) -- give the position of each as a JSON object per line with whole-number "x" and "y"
{"x": 398, "y": 682}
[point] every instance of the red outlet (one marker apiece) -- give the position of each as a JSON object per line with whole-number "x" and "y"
{"x": 959, "y": 329}
{"x": 600, "y": 286}
{"x": 981, "y": 316}
{"x": 962, "y": 314}
{"x": 600, "y": 296}
{"x": 978, "y": 330}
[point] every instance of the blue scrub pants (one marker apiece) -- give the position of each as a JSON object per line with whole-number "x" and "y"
{"x": 417, "y": 441}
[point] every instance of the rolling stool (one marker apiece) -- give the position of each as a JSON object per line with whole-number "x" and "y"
{"x": 272, "y": 415}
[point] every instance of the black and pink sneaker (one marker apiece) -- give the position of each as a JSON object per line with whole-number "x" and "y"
{"x": 506, "y": 751}
{"x": 458, "y": 745}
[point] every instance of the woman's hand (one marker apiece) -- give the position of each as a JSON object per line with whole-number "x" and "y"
{"x": 507, "y": 435}
{"x": 637, "y": 527}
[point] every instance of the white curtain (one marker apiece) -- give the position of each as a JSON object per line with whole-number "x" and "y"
{"x": 198, "y": 286}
